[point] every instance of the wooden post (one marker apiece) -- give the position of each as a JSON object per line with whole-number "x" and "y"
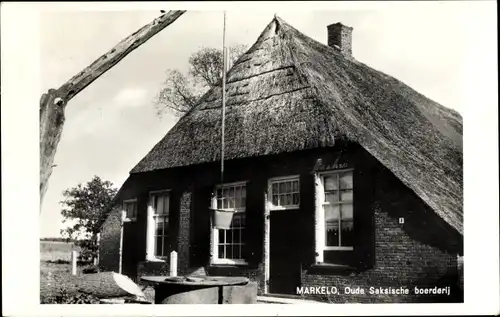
{"x": 173, "y": 263}
{"x": 53, "y": 103}
{"x": 98, "y": 240}
{"x": 74, "y": 259}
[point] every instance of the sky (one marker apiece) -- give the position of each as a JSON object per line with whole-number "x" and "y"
{"x": 112, "y": 124}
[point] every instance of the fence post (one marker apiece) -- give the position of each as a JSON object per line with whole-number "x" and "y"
{"x": 74, "y": 258}
{"x": 173, "y": 263}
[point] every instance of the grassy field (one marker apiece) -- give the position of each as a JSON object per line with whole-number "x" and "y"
{"x": 56, "y": 250}
{"x": 55, "y": 270}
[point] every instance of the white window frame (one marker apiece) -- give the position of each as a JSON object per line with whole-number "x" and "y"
{"x": 215, "y": 231}
{"x": 151, "y": 227}
{"x": 126, "y": 218}
{"x": 320, "y": 214}
{"x": 270, "y": 192}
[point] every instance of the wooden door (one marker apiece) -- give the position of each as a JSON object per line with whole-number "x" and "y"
{"x": 129, "y": 250}
{"x": 284, "y": 253}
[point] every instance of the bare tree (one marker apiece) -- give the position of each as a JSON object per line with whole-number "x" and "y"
{"x": 181, "y": 92}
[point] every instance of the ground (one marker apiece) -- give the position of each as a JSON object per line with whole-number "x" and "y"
{"x": 57, "y": 285}
{"x": 56, "y": 278}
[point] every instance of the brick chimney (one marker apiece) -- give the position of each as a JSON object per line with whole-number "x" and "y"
{"x": 340, "y": 37}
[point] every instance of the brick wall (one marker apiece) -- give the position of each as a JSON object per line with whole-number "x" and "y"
{"x": 401, "y": 258}
{"x": 184, "y": 234}
{"x": 109, "y": 244}
{"x": 399, "y": 262}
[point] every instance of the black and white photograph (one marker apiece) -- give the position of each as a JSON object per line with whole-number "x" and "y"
{"x": 285, "y": 154}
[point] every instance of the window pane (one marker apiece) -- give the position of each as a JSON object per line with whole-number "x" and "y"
{"x": 165, "y": 246}
{"x": 275, "y": 188}
{"x": 288, "y": 187}
{"x": 238, "y": 254}
{"x": 238, "y": 238}
{"x": 222, "y": 254}
{"x": 237, "y": 195}
{"x": 288, "y": 199}
{"x": 159, "y": 226}
{"x": 219, "y": 193}
{"x": 275, "y": 200}
{"x": 159, "y": 206}
{"x": 166, "y": 204}
{"x": 229, "y": 251}
{"x": 166, "y": 225}
{"x": 332, "y": 213}
{"x": 219, "y": 203}
{"x": 346, "y": 180}
{"x": 282, "y": 187}
{"x": 295, "y": 199}
{"x": 347, "y": 236}
{"x": 347, "y": 213}
{"x": 346, "y": 195}
{"x": 331, "y": 182}
{"x": 221, "y": 236}
{"x": 332, "y": 196}
{"x": 332, "y": 234}
{"x": 231, "y": 192}
{"x": 229, "y": 236}
{"x": 236, "y": 222}
{"x": 295, "y": 186}
{"x": 159, "y": 246}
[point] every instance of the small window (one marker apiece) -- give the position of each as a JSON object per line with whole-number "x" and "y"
{"x": 161, "y": 207}
{"x": 130, "y": 208}
{"x": 338, "y": 210}
{"x": 284, "y": 193}
{"x": 229, "y": 244}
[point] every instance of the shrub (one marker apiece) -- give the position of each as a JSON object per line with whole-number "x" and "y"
{"x": 65, "y": 298}
{"x": 90, "y": 269}
{"x": 88, "y": 251}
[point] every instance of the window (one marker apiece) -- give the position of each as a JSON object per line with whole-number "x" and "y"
{"x": 338, "y": 210}
{"x": 284, "y": 193}
{"x": 130, "y": 208}
{"x": 229, "y": 244}
{"x": 160, "y": 202}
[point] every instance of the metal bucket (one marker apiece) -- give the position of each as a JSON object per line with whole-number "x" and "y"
{"x": 222, "y": 218}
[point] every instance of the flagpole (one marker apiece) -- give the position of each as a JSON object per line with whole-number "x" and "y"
{"x": 223, "y": 97}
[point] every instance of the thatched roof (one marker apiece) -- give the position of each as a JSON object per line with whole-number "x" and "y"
{"x": 289, "y": 92}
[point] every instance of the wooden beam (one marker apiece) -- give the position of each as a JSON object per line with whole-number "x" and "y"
{"x": 116, "y": 54}
{"x": 53, "y": 103}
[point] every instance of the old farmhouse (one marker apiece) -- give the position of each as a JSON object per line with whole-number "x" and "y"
{"x": 340, "y": 176}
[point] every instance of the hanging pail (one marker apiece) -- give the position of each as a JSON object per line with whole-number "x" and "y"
{"x": 221, "y": 218}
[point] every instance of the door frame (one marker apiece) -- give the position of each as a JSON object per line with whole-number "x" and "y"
{"x": 268, "y": 208}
